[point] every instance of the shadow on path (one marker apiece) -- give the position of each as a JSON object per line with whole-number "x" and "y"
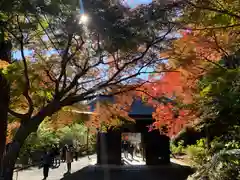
{"x": 164, "y": 172}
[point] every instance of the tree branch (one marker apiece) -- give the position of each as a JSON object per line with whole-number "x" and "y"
{"x": 214, "y": 10}
{"x": 161, "y": 99}
{"x": 212, "y": 28}
{"x": 46, "y": 33}
{"x": 74, "y": 99}
{"x": 120, "y": 69}
{"x": 85, "y": 96}
{"x": 17, "y": 115}
{"x": 214, "y": 63}
{"x": 79, "y": 75}
{"x": 64, "y": 62}
{"x": 50, "y": 76}
{"x": 38, "y": 34}
{"x": 27, "y": 84}
{"x": 218, "y": 46}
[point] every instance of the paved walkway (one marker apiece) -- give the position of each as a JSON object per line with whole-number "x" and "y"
{"x": 164, "y": 172}
{"x": 54, "y": 174}
{"x": 135, "y": 161}
{"x": 84, "y": 169}
{"x": 139, "y": 161}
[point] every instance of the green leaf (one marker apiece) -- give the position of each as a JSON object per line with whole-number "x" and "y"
{"x": 49, "y": 95}
{"x": 43, "y": 24}
{"x": 206, "y": 90}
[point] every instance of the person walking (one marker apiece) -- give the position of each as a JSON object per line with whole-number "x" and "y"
{"x": 47, "y": 162}
{"x": 76, "y": 154}
{"x": 63, "y": 154}
{"x": 57, "y": 156}
{"x": 69, "y": 158}
{"x": 143, "y": 151}
{"x": 137, "y": 149}
{"x": 125, "y": 149}
{"x": 131, "y": 150}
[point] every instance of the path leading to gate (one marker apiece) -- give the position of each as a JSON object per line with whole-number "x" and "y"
{"x": 83, "y": 169}
{"x": 139, "y": 161}
{"x": 35, "y": 173}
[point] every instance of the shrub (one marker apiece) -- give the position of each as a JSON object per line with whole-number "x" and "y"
{"x": 198, "y": 153}
{"x": 179, "y": 149}
{"x": 224, "y": 165}
{"x": 189, "y": 135}
{"x": 221, "y": 162}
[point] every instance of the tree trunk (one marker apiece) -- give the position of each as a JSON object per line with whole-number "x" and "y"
{"x": 10, "y": 160}
{"x": 13, "y": 150}
{"x": 4, "y": 103}
{"x": 5, "y": 55}
{"x": 26, "y": 128}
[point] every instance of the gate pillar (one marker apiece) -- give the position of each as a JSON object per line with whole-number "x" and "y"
{"x": 157, "y": 148}
{"x": 109, "y": 148}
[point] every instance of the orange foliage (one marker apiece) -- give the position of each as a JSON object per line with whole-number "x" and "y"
{"x": 3, "y": 64}
{"x": 174, "y": 119}
{"x": 193, "y": 55}
{"x": 45, "y": 82}
{"x": 111, "y": 114}
{"x": 12, "y": 127}
{"x": 62, "y": 118}
{"x": 108, "y": 113}
{"x": 170, "y": 85}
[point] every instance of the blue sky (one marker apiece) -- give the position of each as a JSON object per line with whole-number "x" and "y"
{"x": 134, "y": 3}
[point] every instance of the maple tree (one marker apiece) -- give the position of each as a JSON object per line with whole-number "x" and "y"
{"x": 70, "y": 62}
{"x": 111, "y": 111}
{"x": 166, "y": 95}
{"x": 163, "y": 95}
{"x": 208, "y": 32}
{"x": 206, "y": 54}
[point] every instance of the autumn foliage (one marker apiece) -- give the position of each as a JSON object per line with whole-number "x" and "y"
{"x": 194, "y": 54}
{"x": 174, "y": 120}
{"x": 108, "y": 114}
{"x": 163, "y": 95}
{"x": 160, "y": 94}
{"x": 12, "y": 127}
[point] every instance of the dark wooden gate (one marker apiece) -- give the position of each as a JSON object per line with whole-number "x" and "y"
{"x": 109, "y": 148}
{"x": 157, "y": 148}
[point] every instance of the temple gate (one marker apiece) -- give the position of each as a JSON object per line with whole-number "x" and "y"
{"x": 157, "y": 148}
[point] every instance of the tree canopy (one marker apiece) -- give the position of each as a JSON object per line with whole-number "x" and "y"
{"x": 189, "y": 48}
{"x": 63, "y": 61}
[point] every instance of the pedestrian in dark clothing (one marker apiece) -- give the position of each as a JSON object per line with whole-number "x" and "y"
{"x": 125, "y": 149}
{"x": 76, "y": 155}
{"x": 69, "y": 158}
{"x": 63, "y": 154}
{"x": 56, "y": 156}
{"x": 131, "y": 150}
{"x": 47, "y": 162}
